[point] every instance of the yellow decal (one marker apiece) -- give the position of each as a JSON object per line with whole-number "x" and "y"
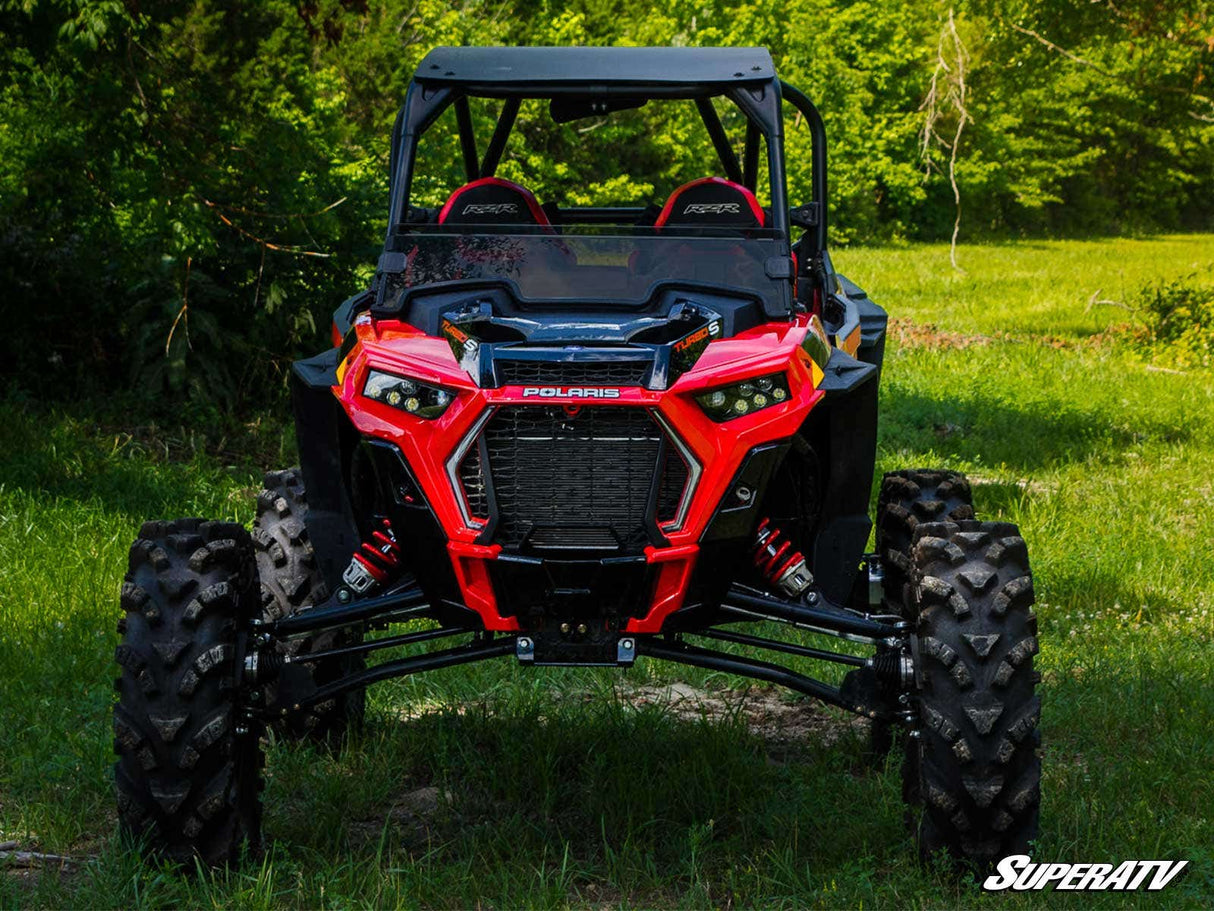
{"x": 851, "y": 344}
{"x": 816, "y": 343}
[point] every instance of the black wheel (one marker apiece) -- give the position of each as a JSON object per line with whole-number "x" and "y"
{"x": 906, "y": 500}
{"x": 291, "y": 582}
{"x": 975, "y": 766}
{"x": 189, "y": 761}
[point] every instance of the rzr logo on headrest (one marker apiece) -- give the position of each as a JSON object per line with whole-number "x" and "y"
{"x": 713, "y": 208}
{"x": 490, "y": 208}
{"x": 571, "y": 392}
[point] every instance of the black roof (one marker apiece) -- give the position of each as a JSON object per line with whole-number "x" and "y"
{"x": 502, "y": 69}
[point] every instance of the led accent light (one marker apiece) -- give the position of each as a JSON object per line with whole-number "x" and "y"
{"x": 417, "y": 398}
{"x": 729, "y": 402}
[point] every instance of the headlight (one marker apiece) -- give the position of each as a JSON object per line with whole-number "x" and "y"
{"x": 408, "y": 395}
{"x": 728, "y": 402}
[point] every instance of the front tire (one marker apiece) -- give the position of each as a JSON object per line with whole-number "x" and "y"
{"x": 975, "y": 764}
{"x": 907, "y": 499}
{"x": 291, "y": 582}
{"x": 189, "y": 760}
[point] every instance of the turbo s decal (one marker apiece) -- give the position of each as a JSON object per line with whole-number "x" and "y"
{"x": 687, "y": 350}
{"x": 460, "y": 341}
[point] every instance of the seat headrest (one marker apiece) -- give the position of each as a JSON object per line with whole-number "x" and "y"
{"x": 492, "y": 201}
{"x": 712, "y": 202}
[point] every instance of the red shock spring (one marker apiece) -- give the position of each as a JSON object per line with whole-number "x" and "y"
{"x": 778, "y": 562}
{"x": 381, "y": 555}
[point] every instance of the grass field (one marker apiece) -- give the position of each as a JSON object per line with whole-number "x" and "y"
{"x": 492, "y": 786}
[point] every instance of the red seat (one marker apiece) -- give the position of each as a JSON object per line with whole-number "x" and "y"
{"x": 492, "y": 201}
{"x": 712, "y": 202}
{"x": 489, "y": 202}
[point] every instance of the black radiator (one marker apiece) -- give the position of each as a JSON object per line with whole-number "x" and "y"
{"x": 585, "y": 478}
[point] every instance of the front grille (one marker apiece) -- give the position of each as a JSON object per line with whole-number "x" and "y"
{"x": 557, "y": 537}
{"x": 573, "y": 479}
{"x": 472, "y": 476}
{"x": 572, "y": 373}
{"x": 672, "y": 486}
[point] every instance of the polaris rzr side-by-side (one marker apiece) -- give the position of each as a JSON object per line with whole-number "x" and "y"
{"x": 573, "y": 435}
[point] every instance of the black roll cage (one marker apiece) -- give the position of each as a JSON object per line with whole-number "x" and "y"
{"x": 759, "y": 101}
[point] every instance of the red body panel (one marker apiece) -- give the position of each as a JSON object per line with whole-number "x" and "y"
{"x": 720, "y": 448}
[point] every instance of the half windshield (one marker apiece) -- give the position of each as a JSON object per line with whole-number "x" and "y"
{"x": 581, "y": 268}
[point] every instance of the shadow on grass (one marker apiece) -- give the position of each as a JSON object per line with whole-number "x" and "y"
{"x": 1025, "y": 438}
{"x": 633, "y": 791}
{"x": 1083, "y": 590}
{"x": 56, "y": 456}
{"x": 652, "y": 805}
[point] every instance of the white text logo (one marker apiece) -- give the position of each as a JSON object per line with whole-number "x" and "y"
{"x": 1019, "y": 873}
{"x": 490, "y": 208}
{"x": 713, "y": 208}
{"x": 573, "y": 392}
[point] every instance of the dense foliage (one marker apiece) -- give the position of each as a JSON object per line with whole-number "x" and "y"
{"x": 1179, "y": 319}
{"x": 188, "y": 188}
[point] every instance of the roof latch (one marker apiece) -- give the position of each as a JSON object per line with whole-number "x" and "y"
{"x": 778, "y": 267}
{"x": 805, "y": 216}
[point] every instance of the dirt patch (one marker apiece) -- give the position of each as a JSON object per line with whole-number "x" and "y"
{"x": 910, "y": 334}
{"x": 26, "y": 866}
{"x": 768, "y": 715}
{"x": 1028, "y": 485}
{"x": 411, "y": 818}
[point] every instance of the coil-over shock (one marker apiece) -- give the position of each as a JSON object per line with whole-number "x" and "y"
{"x": 780, "y": 564}
{"x": 375, "y": 562}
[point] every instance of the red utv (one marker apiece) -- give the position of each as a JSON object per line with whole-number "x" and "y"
{"x": 573, "y": 435}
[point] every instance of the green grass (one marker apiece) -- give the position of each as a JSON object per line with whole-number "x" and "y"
{"x": 563, "y": 788}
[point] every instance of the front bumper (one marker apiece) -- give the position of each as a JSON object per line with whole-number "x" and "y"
{"x": 529, "y": 542}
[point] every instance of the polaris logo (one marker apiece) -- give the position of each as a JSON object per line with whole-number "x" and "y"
{"x": 491, "y": 208}
{"x": 570, "y": 392}
{"x": 1019, "y": 873}
{"x": 713, "y": 208}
